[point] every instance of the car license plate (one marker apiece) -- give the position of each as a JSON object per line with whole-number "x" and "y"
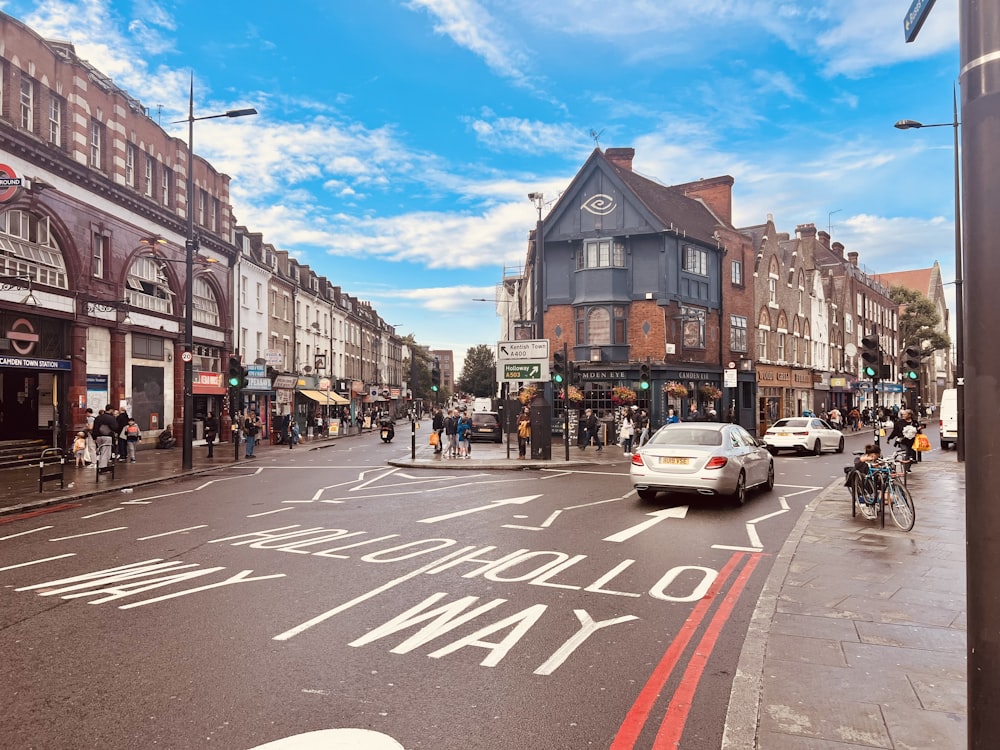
{"x": 485, "y": 429}
{"x": 674, "y": 460}
{"x": 783, "y": 434}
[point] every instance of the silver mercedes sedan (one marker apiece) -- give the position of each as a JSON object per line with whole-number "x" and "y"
{"x": 706, "y": 458}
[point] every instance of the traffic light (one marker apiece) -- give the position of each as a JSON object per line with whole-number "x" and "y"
{"x": 558, "y": 368}
{"x": 436, "y": 375}
{"x": 911, "y": 363}
{"x": 236, "y": 377}
{"x": 644, "y": 377}
{"x": 870, "y": 357}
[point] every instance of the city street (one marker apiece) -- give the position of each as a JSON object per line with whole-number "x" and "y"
{"x": 319, "y": 589}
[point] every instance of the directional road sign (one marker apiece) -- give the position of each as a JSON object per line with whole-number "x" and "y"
{"x": 522, "y": 370}
{"x": 518, "y": 351}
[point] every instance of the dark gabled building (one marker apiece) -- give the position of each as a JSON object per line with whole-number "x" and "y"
{"x": 630, "y": 272}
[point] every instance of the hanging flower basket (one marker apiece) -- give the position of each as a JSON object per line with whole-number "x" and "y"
{"x": 527, "y": 394}
{"x": 621, "y": 394}
{"x": 675, "y": 389}
{"x": 710, "y": 392}
{"x": 574, "y": 395}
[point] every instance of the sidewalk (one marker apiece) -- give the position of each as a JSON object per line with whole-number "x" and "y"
{"x": 858, "y": 639}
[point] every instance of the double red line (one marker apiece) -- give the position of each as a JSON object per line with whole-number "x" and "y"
{"x": 668, "y": 736}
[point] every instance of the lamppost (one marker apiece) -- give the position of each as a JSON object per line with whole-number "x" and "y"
{"x": 959, "y": 296}
{"x": 191, "y": 247}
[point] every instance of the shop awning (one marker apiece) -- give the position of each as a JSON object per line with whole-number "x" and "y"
{"x": 325, "y": 397}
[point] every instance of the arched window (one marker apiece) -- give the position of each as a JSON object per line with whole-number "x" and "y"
{"x": 27, "y": 248}
{"x": 763, "y": 330}
{"x": 206, "y": 306}
{"x": 147, "y": 286}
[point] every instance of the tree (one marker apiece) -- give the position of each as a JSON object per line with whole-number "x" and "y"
{"x": 479, "y": 372}
{"x": 918, "y": 321}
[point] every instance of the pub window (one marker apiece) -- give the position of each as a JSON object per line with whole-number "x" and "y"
{"x": 737, "y": 271}
{"x": 603, "y": 253}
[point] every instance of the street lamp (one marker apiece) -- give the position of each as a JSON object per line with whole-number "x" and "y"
{"x": 191, "y": 246}
{"x": 959, "y": 296}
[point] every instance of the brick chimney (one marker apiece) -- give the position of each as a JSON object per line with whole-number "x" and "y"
{"x": 620, "y": 157}
{"x": 823, "y": 238}
{"x": 838, "y": 248}
{"x": 853, "y": 258}
{"x": 715, "y": 192}
{"x": 805, "y": 231}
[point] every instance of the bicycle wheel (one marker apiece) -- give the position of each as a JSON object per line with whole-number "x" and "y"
{"x": 901, "y": 506}
{"x": 864, "y": 492}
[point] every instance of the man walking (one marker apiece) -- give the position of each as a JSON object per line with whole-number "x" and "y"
{"x": 211, "y": 432}
{"x": 105, "y": 430}
{"x": 437, "y": 424}
{"x": 592, "y": 430}
{"x": 251, "y": 425}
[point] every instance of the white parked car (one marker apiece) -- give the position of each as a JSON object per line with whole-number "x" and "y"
{"x": 803, "y": 434}
{"x": 706, "y": 458}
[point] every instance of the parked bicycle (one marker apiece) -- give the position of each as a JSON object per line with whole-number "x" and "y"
{"x": 882, "y": 487}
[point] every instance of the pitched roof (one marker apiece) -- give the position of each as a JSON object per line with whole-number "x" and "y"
{"x": 670, "y": 205}
{"x": 919, "y": 279}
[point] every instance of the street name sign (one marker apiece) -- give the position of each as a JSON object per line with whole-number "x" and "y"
{"x": 915, "y": 17}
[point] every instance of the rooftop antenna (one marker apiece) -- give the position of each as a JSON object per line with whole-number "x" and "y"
{"x": 595, "y": 135}
{"x": 829, "y": 221}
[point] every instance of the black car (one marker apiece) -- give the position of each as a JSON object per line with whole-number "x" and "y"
{"x": 486, "y": 426}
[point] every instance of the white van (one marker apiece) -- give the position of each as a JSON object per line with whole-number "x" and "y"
{"x": 948, "y": 415}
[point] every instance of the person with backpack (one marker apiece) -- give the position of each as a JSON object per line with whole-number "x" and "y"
{"x": 437, "y": 424}
{"x": 451, "y": 433}
{"x": 132, "y": 437}
{"x": 465, "y": 436}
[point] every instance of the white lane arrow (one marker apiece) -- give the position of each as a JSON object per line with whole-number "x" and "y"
{"x": 657, "y": 516}
{"x": 491, "y": 506}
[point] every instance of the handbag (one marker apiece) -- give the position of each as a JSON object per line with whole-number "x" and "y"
{"x": 434, "y": 438}
{"x": 921, "y": 442}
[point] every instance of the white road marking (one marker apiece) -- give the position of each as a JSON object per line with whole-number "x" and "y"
{"x": 89, "y": 533}
{"x": 101, "y": 513}
{"x": 657, "y": 516}
{"x": 268, "y": 512}
{"x": 36, "y": 562}
{"x": 328, "y": 739}
{"x": 544, "y": 525}
{"x": 493, "y": 505}
{"x": 168, "y": 533}
{"x": 22, "y": 533}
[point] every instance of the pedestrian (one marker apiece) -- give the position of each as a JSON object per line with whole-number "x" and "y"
{"x": 345, "y": 419}
{"x": 451, "y": 433}
{"x": 592, "y": 429}
{"x": 105, "y": 431}
{"x": 835, "y": 418}
{"x": 693, "y": 415}
{"x": 523, "y": 432}
{"x": 854, "y": 419}
{"x": 122, "y": 419}
{"x": 904, "y": 430}
{"x": 251, "y": 426}
{"x": 626, "y": 431}
{"x": 80, "y": 448}
{"x": 464, "y": 429}
{"x": 132, "y": 437}
{"x": 642, "y": 425}
{"x": 211, "y": 432}
{"x": 437, "y": 425}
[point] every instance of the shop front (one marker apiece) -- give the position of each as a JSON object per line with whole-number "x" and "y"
{"x": 209, "y": 397}
{"x": 842, "y": 392}
{"x": 775, "y": 395}
{"x": 34, "y": 378}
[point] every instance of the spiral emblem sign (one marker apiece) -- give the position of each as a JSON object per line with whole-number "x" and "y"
{"x": 599, "y": 205}
{"x": 10, "y": 183}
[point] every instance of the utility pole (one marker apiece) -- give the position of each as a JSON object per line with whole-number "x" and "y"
{"x": 979, "y": 78}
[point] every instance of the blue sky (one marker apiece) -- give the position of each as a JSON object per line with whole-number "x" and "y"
{"x": 397, "y": 140}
